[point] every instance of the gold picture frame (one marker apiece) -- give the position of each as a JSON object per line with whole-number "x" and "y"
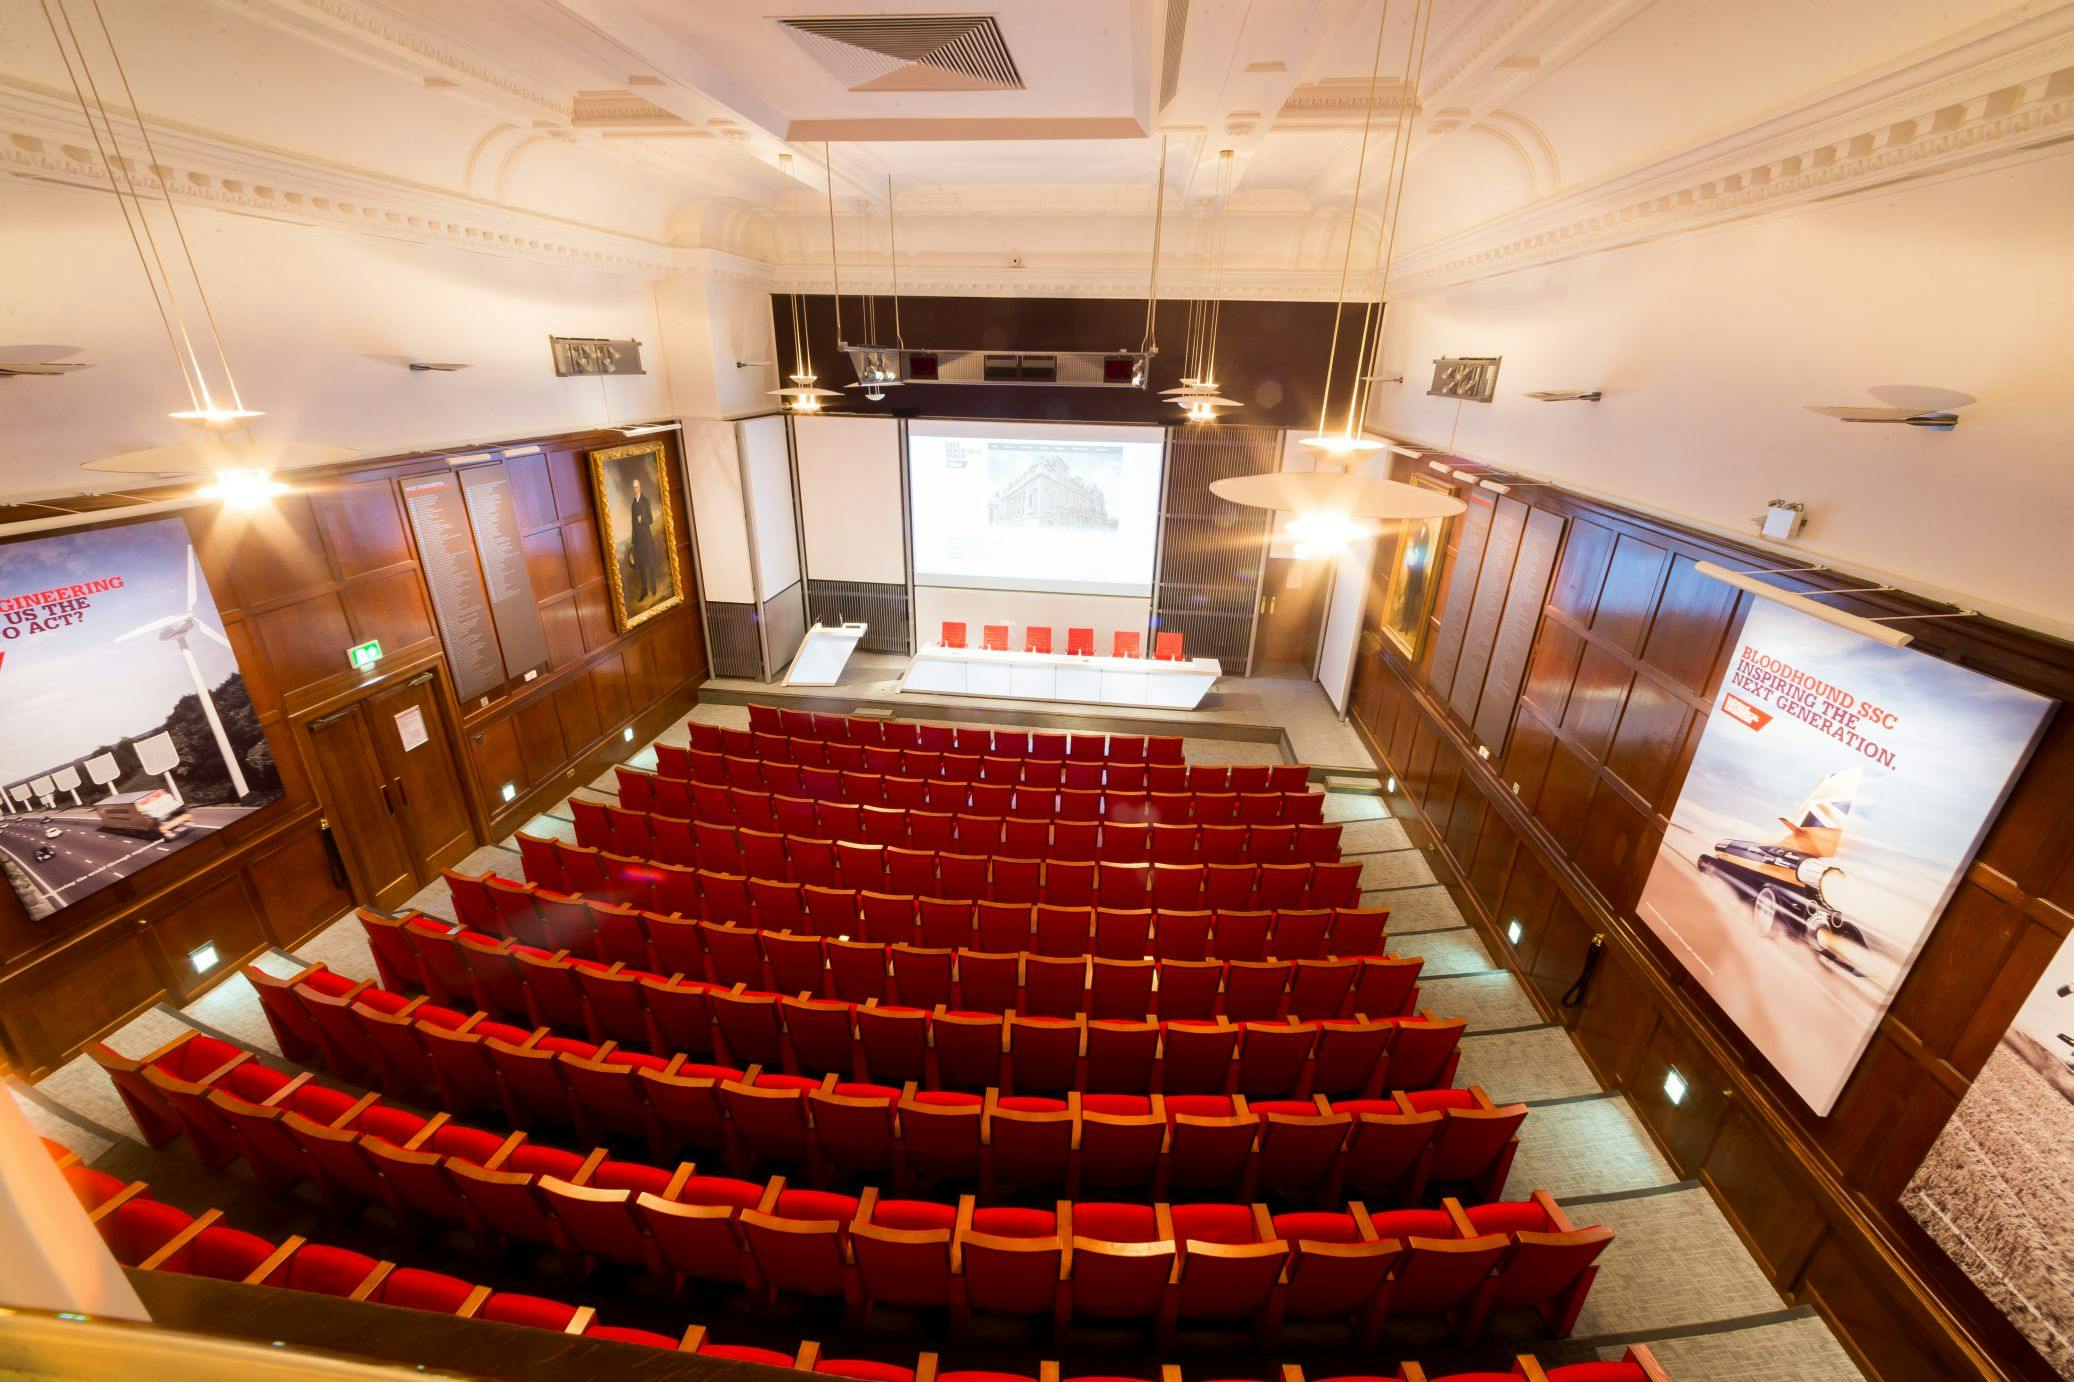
{"x": 633, "y": 495}
{"x": 1414, "y": 579}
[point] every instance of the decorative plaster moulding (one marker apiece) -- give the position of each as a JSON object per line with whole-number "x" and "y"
{"x": 42, "y": 135}
{"x": 1995, "y": 98}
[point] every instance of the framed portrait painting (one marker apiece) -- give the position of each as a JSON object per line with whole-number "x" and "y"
{"x": 1414, "y": 577}
{"x": 631, "y": 488}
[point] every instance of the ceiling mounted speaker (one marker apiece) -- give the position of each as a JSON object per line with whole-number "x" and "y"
{"x": 910, "y": 52}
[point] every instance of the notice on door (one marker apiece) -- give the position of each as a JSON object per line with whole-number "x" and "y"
{"x": 410, "y": 728}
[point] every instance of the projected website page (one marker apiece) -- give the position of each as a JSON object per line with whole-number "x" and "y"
{"x": 1024, "y": 513}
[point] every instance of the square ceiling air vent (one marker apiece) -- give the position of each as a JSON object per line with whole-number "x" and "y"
{"x": 910, "y": 52}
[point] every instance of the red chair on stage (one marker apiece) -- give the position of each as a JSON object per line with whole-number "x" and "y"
{"x": 1037, "y": 638}
{"x": 1125, "y": 643}
{"x": 994, "y": 636}
{"x": 1080, "y": 642}
{"x": 1166, "y": 647}
{"x": 953, "y": 634}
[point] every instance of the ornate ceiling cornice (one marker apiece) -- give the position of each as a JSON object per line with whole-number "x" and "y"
{"x": 43, "y": 136}
{"x": 1951, "y": 112}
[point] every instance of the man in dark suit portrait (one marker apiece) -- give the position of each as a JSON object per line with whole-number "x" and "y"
{"x": 641, "y": 549}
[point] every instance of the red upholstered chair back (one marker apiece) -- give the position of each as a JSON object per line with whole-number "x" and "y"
{"x": 1125, "y": 643}
{"x": 953, "y": 634}
{"x": 1080, "y": 642}
{"x": 1166, "y": 647}
{"x": 994, "y": 636}
{"x": 1037, "y": 638}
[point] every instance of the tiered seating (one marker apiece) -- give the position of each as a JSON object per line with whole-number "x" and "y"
{"x": 150, "y": 1235}
{"x": 741, "y": 781}
{"x": 1302, "y": 1145}
{"x": 539, "y": 914}
{"x": 735, "y": 866}
{"x": 1081, "y": 1259}
{"x": 986, "y": 740}
{"x": 721, "y": 833}
{"x": 964, "y": 1045}
{"x": 1031, "y": 982}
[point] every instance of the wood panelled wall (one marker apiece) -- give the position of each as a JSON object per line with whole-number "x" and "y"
{"x": 1557, "y": 828}
{"x": 322, "y": 569}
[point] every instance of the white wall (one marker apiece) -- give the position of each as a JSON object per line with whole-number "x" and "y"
{"x": 318, "y": 324}
{"x": 709, "y": 321}
{"x": 852, "y": 523}
{"x": 1708, "y": 347}
{"x": 713, "y": 487}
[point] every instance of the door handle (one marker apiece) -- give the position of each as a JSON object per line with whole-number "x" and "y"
{"x": 387, "y": 804}
{"x": 1271, "y": 603}
{"x": 420, "y": 679}
{"x": 402, "y": 792}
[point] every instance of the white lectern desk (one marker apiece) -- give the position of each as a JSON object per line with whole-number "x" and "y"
{"x": 823, "y": 654}
{"x": 1058, "y": 677}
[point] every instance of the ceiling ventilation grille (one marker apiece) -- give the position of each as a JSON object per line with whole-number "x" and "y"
{"x": 1170, "y": 61}
{"x": 910, "y": 52}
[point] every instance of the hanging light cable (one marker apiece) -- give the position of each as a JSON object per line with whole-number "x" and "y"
{"x": 1202, "y": 404}
{"x": 1320, "y": 441}
{"x": 1370, "y": 357}
{"x": 803, "y": 396}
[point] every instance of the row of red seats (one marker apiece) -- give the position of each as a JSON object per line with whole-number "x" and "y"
{"x": 1637, "y": 1364}
{"x": 1012, "y": 981}
{"x": 143, "y": 1236}
{"x": 772, "y": 761}
{"x": 710, "y": 894}
{"x": 738, "y": 777}
{"x": 150, "y": 1235}
{"x": 1313, "y": 1147}
{"x": 541, "y": 916}
{"x": 640, "y": 794}
{"x": 996, "y": 740}
{"x": 944, "y": 1048}
{"x": 1115, "y": 1261}
{"x": 992, "y": 874}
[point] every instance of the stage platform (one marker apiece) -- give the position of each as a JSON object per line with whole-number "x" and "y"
{"x": 1288, "y": 712}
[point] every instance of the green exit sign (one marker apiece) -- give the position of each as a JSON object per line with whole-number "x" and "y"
{"x": 365, "y": 655}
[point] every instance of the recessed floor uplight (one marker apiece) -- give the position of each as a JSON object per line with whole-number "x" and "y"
{"x": 1674, "y": 1085}
{"x": 1390, "y": 784}
{"x": 627, "y": 734}
{"x": 509, "y": 791}
{"x": 203, "y": 958}
{"x": 1513, "y": 931}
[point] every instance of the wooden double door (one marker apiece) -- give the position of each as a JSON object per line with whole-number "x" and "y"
{"x": 393, "y": 789}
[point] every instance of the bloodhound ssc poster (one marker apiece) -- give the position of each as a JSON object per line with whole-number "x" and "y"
{"x": 1839, "y": 790}
{"x": 128, "y": 733}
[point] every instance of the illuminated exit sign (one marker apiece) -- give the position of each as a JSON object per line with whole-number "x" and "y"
{"x": 365, "y": 655}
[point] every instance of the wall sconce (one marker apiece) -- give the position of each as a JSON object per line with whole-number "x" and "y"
{"x": 1566, "y": 395}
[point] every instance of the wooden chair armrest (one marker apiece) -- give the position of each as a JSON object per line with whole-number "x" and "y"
{"x": 1641, "y": 1357}
{"x": 1291, "y": 1373}
{"x": 1362, "y": 1222}
{"x": 360, "y": 1106}
{"x": 1163, "y": 1218}
{"x": 589, "y": 1168}
{"x": 425, "y": 1134}
{"x": 258, "y": 1275}
{"x": 925, "y": 1368}
{"x": 1458, "y": 1217}
{"x": 206, "y": 1219}
{"x": 372, "y": 1281}
{"x": 581, "y": 1320}
{"x": 470, "y": 1306}
{"x": 116, "y": 1201}
{"x": 694, "y": 1335}
{"x": 504, "y": 1151}
{"x": 276, "y": 1099}
{"x": 1558, "y": 1221}
{"x": 684, "y": 1172}
{"x": 808, "y": 1355}
{"x": 1263, "y": 1222}
{"x": 867, "y": 1201}
{"x": 769, "y": 1203}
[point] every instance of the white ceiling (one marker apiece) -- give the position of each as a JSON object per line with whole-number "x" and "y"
{"x": 662, "y": 122}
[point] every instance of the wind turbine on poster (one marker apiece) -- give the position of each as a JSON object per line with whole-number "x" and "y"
{"x": 174, "y": 629}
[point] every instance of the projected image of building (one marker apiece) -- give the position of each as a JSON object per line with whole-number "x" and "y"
{"x": 1049, "y": 495}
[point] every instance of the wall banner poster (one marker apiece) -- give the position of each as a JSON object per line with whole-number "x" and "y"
{"x": 1839, "y": 790}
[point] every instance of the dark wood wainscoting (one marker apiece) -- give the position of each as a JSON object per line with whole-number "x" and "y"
{"x": 321, "y": 569}
{"x": 1547, "y": 808}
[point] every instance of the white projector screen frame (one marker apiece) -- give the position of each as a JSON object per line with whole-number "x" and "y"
{"x": 1120, "y": 468}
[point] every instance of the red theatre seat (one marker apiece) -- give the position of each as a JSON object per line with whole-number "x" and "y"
{"x": 1125, "y": 643}
{"x": 1037, "y": 638}
{"x": 994, "y": 636}
{"x": 1166, "y": 647}
{"x": 953, "y": 634}
{"x": 1080, "y": 642}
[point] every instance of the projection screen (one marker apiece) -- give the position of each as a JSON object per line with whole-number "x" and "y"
{"x": 1052, "y": 508}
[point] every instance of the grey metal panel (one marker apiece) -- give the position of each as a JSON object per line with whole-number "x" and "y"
{"x": 734, "y": 644}
{"x": 883, "y": 607}
{"x": 1211, "y": 551}
{"x": 784, "y": 626}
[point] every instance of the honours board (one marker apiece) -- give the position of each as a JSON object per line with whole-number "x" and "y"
{"x": 471, "y": 571}
{"x": 514, "y": 611}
